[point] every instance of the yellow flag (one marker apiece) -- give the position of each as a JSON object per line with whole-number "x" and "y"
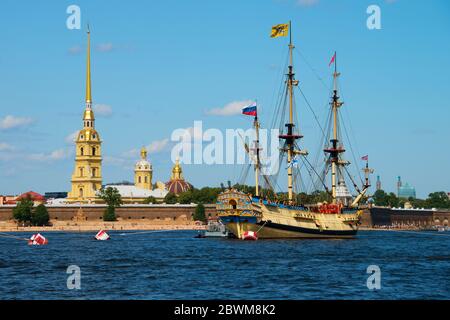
{"x": 280, "y": 30}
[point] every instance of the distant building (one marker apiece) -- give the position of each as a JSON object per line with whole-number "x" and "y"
{"x": 405, "y": 190}
{"x": 133, "y": 194}
{"x": 33, "y": 196}
{"x": 4, "y": 200}
{"x": 378, "y": 186}
{"x": 55, "y": 195}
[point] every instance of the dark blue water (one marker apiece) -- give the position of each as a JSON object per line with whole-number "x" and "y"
{"x": 174, "y": 265}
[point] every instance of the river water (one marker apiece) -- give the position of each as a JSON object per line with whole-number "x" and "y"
{"x": 175, "y": 265}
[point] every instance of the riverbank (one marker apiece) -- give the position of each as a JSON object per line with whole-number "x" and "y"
{"x": 141, "y": 224}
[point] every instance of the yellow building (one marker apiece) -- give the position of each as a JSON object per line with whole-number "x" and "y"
{"x": 87, "y": 175}
{"x": 143, "y": 172}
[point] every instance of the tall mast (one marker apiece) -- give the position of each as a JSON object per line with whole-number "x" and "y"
{"x": 290, "y": 137}
{"x": 256, "y": 124}
{"x": 334, "y": 149}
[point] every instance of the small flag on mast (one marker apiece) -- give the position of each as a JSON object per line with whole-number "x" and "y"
{"x": 365, "y": 158}
{"x": 332, "y": 59}
{"x": 251, "y": 110}
{"x": 280, "y": 30}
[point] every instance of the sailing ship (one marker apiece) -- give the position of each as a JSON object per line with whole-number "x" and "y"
{"x": 271, "y": 218}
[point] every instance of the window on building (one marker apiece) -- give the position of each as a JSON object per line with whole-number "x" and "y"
{"x": 81, "y": 192}
{"x": 145, "y": 179}
{"x": 82, "y": 149}
{"x": 81, "y": 171}
{"x": 93, "y": 151}
{"x": 94, "y": 173}
{"x": 139, "y": 179}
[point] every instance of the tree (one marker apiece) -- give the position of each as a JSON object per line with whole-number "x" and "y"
{"x": 438, "y": 200}
{"x": 111, "y": 196}
{"x": 23, "y": 210}
{"x": 150, "y": 199}
{"x": 109, "y": 214}
{"x": 380, "y": 198}
{"x": 186, "y": 197}
{"x": 171, "y": 198}
{"x": 113, "y": 199}
{"x": 199, "y": 213}
{"x": 40, "y": 217}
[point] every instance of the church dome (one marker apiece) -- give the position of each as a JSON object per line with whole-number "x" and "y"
{"x": 177, "y": 184}
{"x": 143, "y": 164}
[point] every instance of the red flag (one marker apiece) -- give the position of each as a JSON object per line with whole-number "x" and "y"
{"x": 332, "y": 59}
{"x": 365, "y": 158}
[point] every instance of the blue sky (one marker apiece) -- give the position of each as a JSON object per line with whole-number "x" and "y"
{"x": 161, "y": 65}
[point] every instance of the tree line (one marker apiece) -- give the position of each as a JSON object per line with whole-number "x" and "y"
{"x": 438, "y": 200}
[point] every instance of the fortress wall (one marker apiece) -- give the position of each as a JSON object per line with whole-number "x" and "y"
{"x": 95, "y": 212}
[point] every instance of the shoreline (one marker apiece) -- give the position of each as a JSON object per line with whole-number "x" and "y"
{"x": 67, "y": 226}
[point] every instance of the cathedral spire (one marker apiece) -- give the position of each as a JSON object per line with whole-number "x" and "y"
{"x": 88, "y": 69}
{"x": 88, "y": 117}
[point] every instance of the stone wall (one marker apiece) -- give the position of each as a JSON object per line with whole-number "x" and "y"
{"x": 95, "y": 212}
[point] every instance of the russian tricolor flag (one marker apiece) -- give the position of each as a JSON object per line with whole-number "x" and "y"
{"x": 250, "y": 110}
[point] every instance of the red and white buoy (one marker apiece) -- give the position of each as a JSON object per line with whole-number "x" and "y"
{"x": 250, "y": 235}
{"x": 102, "y": 235}
{"x": 37, "y": 240}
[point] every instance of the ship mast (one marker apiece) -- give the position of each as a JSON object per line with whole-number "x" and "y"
{"x": 335, "y": 149}
{"x": 290, "y": 137}
{"x": 256, "y": 125}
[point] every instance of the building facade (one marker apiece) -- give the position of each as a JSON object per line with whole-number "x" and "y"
{"x": 143, "y": 172}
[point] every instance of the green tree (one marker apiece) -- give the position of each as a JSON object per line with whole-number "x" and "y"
{"x": 40, "y": 216}
{"x": 186, "y": 197}
{"x": 111, "y": 196}
{"x": 113, "y": 199}
{"x": 380, "y": 198}
{"x": 150, "y": 199}
{"x": 199, "y": 213}
{"x": 109, "y": 214}
{"x": 23, "y": 210}
{"x": 171, "y": 198}
{"x": 438, "y": 200}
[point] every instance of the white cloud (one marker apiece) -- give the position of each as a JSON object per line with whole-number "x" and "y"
{"x": 70, "y": 139}
{"x": 307, "y": 3}
{"x": 58, "y": 154}
{"x": 158, "y": 146}
{"x": 11, "y": 122}
{"x": 105, "y": 47}
{"x": 230, "y": 109}
{"x": 75, "y": 50}
{"x": 103, "y": 110}
{"x": 5, "y": 147}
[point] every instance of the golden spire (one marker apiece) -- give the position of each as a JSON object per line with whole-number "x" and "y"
{"x": 88, "y": 116}
{"x": 88, "y": 68}
{"x": 177, "y": 173}
{"x": 144, "y": 153}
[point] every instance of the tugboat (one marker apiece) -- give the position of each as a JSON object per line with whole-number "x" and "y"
{"x": 269, "y": 217}
{"x": 215, "y": 229}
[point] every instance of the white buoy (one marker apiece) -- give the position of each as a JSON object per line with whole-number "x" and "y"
{"x": 102, "y": 235}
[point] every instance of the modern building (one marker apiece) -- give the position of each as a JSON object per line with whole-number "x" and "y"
{"x": 87, "y": 174}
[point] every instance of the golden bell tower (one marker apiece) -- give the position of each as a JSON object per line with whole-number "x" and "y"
{"x": 143, "y": 172}
{"x": 87, "y": 175}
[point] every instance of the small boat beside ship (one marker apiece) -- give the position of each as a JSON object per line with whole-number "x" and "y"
{"x": 265, "y": 215}
{"x": 214, "y": 229}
